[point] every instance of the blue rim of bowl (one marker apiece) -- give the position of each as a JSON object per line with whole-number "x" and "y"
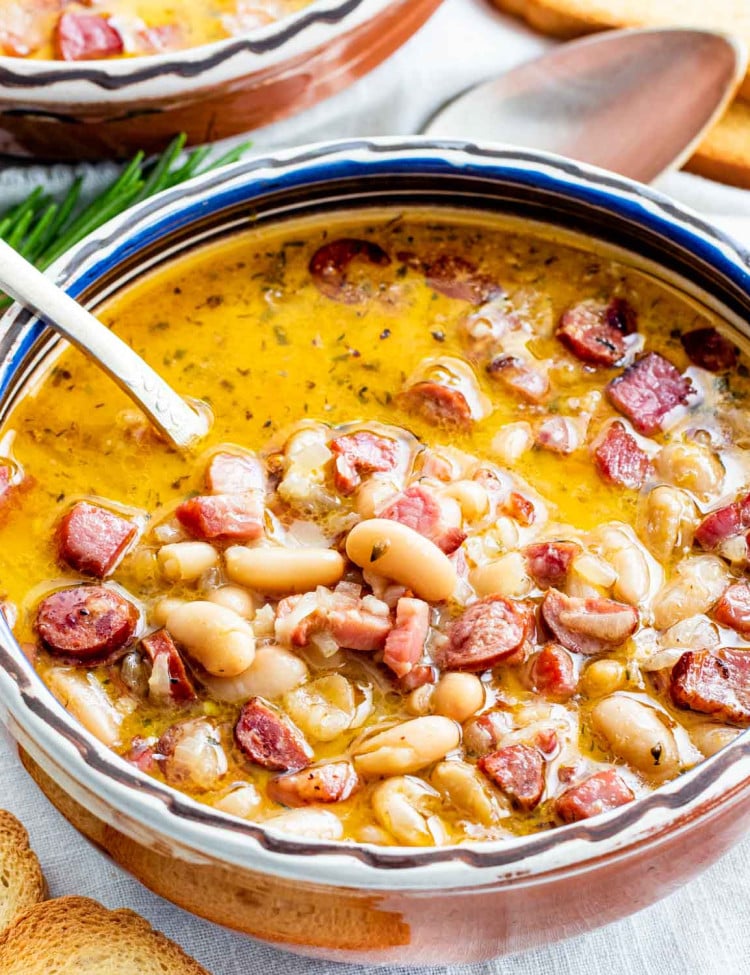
{"x": 181, "y": 64}
{"x": 156, "y": 806}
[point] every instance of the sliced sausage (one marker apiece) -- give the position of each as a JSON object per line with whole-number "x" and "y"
{"x": 455, "y": 277}
{"x": 333, "y": 782}
{"x": 552, "y": 672}
{"x": 489, "y": 631}
{"x": 329, "y": 266}
{"x": 358, "y": 454}
{"x": 437, "y": 519}
{"x": 715, "y": 682}
{"x": 438, "y": 404}
{"x": 270, "y": 740}
{"x": 620, "y": 460}
{"x": 723, "y": 523}
{"x": 590, "y": 625}
{"x": 733, "y": 609}
{"x": 528, "y": 382}
{"x": 223, "y": 516}
{"x": 518, "y": 770}
{"x": 161, "y": 650}
{"x": 647, "y": 391}
{"x": 84, "y": 37}
{"x": 709, "y": 349}
{"x": 405, "y": 642}
{"x": 597, "y": 794}
{"x": 91, "y": 539}
{"x": 548, "y": 563}
{"x": 234, "y": 474}
{"x": 86, "y": 622}
{"x": 417, "y": 677}
{"x": 595, "y": 332}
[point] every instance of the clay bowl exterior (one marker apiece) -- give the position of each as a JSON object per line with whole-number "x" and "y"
{"x": 112, "y": 108}
{"x": 354, "y": 902}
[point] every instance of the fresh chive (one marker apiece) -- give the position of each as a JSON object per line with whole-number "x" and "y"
{"x": 31, "y": 246}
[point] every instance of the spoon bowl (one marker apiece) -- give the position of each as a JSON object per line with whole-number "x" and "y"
{"x": 633, "y": 101}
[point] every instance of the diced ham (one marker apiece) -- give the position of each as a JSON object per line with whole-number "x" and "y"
{"x": 520, "y": 508}
{"x": 162, "y": 652}
{"x": 723, "y": 523}
{"x": 526, "y": 380}
{"x": 342, "y": 616}
{"x": 595, "y": 332}
{"x": 590, "y": 625}
{"x": 647, "y": 391}
{"x": 141, "y": 754}
{"x": 559, "y": 434}
{"x": 518, "y": 770}
{"x": 234, "y": 474}
{"x": 270, "y": 740}
{"x": 548, "y": 563}
{"x": 489, "y": 631}
{"x": 84, "y": 37}
{"x": 223, "y": 516}
{"x": 86, "y": 623}
{"x": 417, "y": 677}
{"x": 715, "y": 682}
{"x": 438, "y": 404}
{"x": 358, "y": 454}
{"x": 329, "y": 267}
{"x": 710, "y": 349}
{"x": 620, "y": 460}
{"x": 435, "y": 518}
{"x": 597, "y": 794}
{"x": 405, "y": 642}
{"x": 733, "y": 609}
{"x": 333, "y": 782}
{"x": 91, "y": 539}
{"x": 162, "y": 37}
{"x": 552, "y": 672}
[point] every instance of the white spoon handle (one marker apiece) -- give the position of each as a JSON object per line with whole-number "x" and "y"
{"x": 167, "y": 410}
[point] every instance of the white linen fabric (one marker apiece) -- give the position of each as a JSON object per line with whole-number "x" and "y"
{"x": 702, "y": 929}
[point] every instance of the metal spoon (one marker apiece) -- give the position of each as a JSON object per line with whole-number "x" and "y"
{"x": 178, "y": 421}
{"x": 632, "y": 101}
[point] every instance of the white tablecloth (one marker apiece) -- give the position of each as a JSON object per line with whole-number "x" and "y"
{"x": 700, "y": 930}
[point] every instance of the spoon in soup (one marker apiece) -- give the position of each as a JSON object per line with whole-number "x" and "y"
{"x": 167, "y": 410}
{"x": 632, "y": 101}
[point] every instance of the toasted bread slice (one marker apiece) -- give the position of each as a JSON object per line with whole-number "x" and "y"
{"x": 724, "y": 154}
{"x": 72, "y": 935}
{"x": 21, "y": 880}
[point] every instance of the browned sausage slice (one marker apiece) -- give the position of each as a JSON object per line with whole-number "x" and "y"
{"x": 92, "y": 539}
{"x": 519, "y": 771}
{"x": 333, "y": 782}
{"x": 440, "y": 405}
{"x": 588, "y": 625}
{"x": 598, "y": 794}
{"x": 489, "y": 631}
{"x": 715, "y": 682}
{"x": 160, "y": 646}
{"x": 595, "y": 332}
{"x": 270, "y": 740}
{"x": 330, "y": 263}
{"x": 548, "y": 563}
{"x": 710, "y": 349}
{"x": 552, "y": 672}
{"x": 86, "y": 622}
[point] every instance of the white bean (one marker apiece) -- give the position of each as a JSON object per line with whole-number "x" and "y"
{"x": 458, "y": 696}
{"x": 162, "y": 608}
{"x": 696, "y": 585}
{"x": 603, "y": 676}
{"x": 324, "y": 708}
{"x": 667, "y": 521}
{"x": 243, "y": 801}
{"x": 512, "y": 441}
{"x": 274, "y": 672}
{"x": 317, "y": 824}
{"x": 186, "y": 561}
{"x": 407, "y": 747}
{"x": 239, "y": 600}
{"x": 220, "y": 640}
{"x": 506, "y": 576}
{"x": 709, "y": 738}
{"x": 691, "y": 466}
{"x": 284, "y": 570}
{"x": 372, "y": 495}
{"x": 86, "y": 699}
{"x": 638, "y": 734}
{"x": 399, "y": 553}
{"x": 463, "y": 786}
{"x": 633, "y": 581}
{"x": 403, "y": 806}
{"x": 197, "y": 759}
{"x": 471, "y": 496}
